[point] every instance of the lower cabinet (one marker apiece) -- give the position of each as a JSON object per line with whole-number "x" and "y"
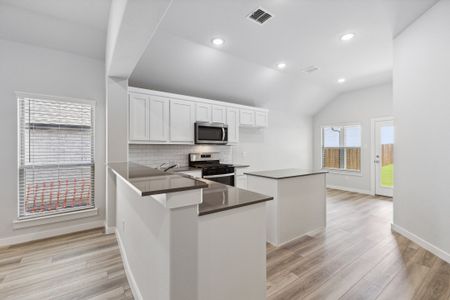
{"x": 240, "y": 181}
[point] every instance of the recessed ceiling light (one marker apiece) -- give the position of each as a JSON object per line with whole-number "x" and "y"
{"x": 217, "y": 41}
{"x": 341, "y": 80}
{"x": 281, "y": 65}
{"x": 347, "y": 37}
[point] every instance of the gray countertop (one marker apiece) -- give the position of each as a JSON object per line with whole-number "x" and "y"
{"x": 220, "y": 197}
{"x": 217, "y": 197}
{"x": 150, "y": 181}
{"x": 285, "y": 173}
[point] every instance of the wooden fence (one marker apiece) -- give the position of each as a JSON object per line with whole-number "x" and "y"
{"x": 332, "y": 158}
{"x": 387, "y": 154}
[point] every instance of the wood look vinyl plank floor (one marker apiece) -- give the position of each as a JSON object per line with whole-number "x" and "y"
{"x": 357, "y": 257}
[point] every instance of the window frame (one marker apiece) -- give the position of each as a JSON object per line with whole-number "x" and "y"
{"x": 69, "y": 214}
{"x": 343, "y": 171}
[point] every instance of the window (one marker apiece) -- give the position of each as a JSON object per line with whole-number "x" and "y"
{"x": 341, "y": 147}
{"x": 56, "y": 156}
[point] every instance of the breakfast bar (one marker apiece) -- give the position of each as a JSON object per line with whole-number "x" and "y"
{"x": 299, "y": 206}
{"x": 187, "y": 238}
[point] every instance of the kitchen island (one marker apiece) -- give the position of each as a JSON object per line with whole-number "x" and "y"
{"x": 184, "y": 238}
{"x": 299, "y": 206}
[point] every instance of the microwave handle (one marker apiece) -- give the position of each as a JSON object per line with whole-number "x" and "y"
{"x": 223, "y": 134}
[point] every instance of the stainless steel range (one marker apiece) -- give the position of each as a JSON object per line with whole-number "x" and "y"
{"x": 211, "y": 167}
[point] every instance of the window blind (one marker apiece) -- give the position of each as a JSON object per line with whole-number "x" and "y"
{"x": 56, "y": 156}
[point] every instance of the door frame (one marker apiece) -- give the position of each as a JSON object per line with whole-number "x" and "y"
{"x": 373, "y": 122}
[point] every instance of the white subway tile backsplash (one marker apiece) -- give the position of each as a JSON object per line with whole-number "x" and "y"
{"x": 155, "y": 155}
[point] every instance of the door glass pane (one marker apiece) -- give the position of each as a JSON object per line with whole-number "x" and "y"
{"x": 387, "y": 156}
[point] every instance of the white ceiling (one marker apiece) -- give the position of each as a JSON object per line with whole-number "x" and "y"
{"x": 180, "y": 58}
{"x": 76, "y": 26}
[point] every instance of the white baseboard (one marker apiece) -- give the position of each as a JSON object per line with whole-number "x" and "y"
{"x": 131, "y": 280}
{"x": 311, "y": 233}
{"x": 421, "y": 242}
{"x": 347, "y": 189}
{"x": 23, "y": 238}
{"x": 110, "y": 229}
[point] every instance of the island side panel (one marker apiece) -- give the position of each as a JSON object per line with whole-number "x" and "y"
{"x": 267, "y": 186}
{"x": 232, "y": 254}
{"x": 301, "y": 206}
{"x": 148, "y": 234}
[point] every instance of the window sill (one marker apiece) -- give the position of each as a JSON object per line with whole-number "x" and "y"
{"x": 342, "y": 172}
{"x": 17, "y": 224}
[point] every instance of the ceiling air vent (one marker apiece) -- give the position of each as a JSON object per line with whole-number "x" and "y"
{"x": 260, "y": 16}
{"x": 311, "y": 69}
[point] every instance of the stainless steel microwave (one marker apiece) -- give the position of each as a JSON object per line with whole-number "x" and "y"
{"x": 211, "y": 133}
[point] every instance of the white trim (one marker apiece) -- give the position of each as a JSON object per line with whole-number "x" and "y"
{"x": 23, "y": 238}
{"x": 73, "y": 215}
{"x": 191, "y": 98}
{"x": 421, "y": 242}
{"x": 372, "y": 150}
{"x": 110, "y": 229}
{"x": 131, "y": 280}
{"x": 343, "y": 172}
{"x": 348, "y": 189}
{"x": 54, "y": 98}
{"x": 311, "y": 233}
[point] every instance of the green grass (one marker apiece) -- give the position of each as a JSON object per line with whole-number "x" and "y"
{"x": 387, "y": 175}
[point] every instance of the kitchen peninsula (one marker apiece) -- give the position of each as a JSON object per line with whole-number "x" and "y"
{"x": 184, "y": 238}
{"x": 299, "y": 205}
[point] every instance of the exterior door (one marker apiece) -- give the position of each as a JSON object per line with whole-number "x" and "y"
{"x": 384, "y": 158}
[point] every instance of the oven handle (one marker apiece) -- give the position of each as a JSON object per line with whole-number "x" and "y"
{"x": 219, "y": 175}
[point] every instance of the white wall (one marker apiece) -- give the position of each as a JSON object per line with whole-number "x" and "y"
{"x": 421, "y": 110}
{"x": 356, "y": 107}
{"x": 286, "y": 143}
{"x": 38, "y": 70}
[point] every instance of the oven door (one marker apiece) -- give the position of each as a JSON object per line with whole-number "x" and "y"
{"x": 227, "y": 179}
{"x": 211, "y": 133}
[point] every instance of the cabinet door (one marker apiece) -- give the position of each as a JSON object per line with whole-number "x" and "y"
{"x": 159, "y": 119}
{"x": 138, "y": 117}
{"x": 182, "y": 118}
{"x": 219, "y": 114}
{"x": 247, "y": 117}
{"x": 203, "y": 112}
{"x": 261, "y": 119}
{"x": 233, "y": 125}
{"x": 241, "y": 182}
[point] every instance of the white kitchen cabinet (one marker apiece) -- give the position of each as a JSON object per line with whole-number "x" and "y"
{"x": 233, "y": 125}
{"x": 247, "y": 117}
{"x": 203, "y": 112}
{"x": 261, "y": 118}
{"x": 219, "y": 114}
{"x": 241, "y": 181}
{"x": 139, "y": 117}
{"x": 158, "y": 119}
{"x": 182, "y": 118}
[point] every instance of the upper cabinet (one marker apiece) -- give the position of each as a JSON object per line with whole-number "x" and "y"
{"x": 261, "y": 118}
{"x": 138, "y": 117}
{"x": 164, "y": 118}
{"x": 159, "y": 119}
{"x": 219, "y": 114}
{"x": 182, "y": 119}
{"x": 203, "y": 112}
{"x": 247, "y": 117}
{"x": 233, "y": 125}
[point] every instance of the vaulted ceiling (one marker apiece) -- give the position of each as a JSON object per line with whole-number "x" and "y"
{"x": 75, "y": 26}
{"x": 180, "y": 58}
